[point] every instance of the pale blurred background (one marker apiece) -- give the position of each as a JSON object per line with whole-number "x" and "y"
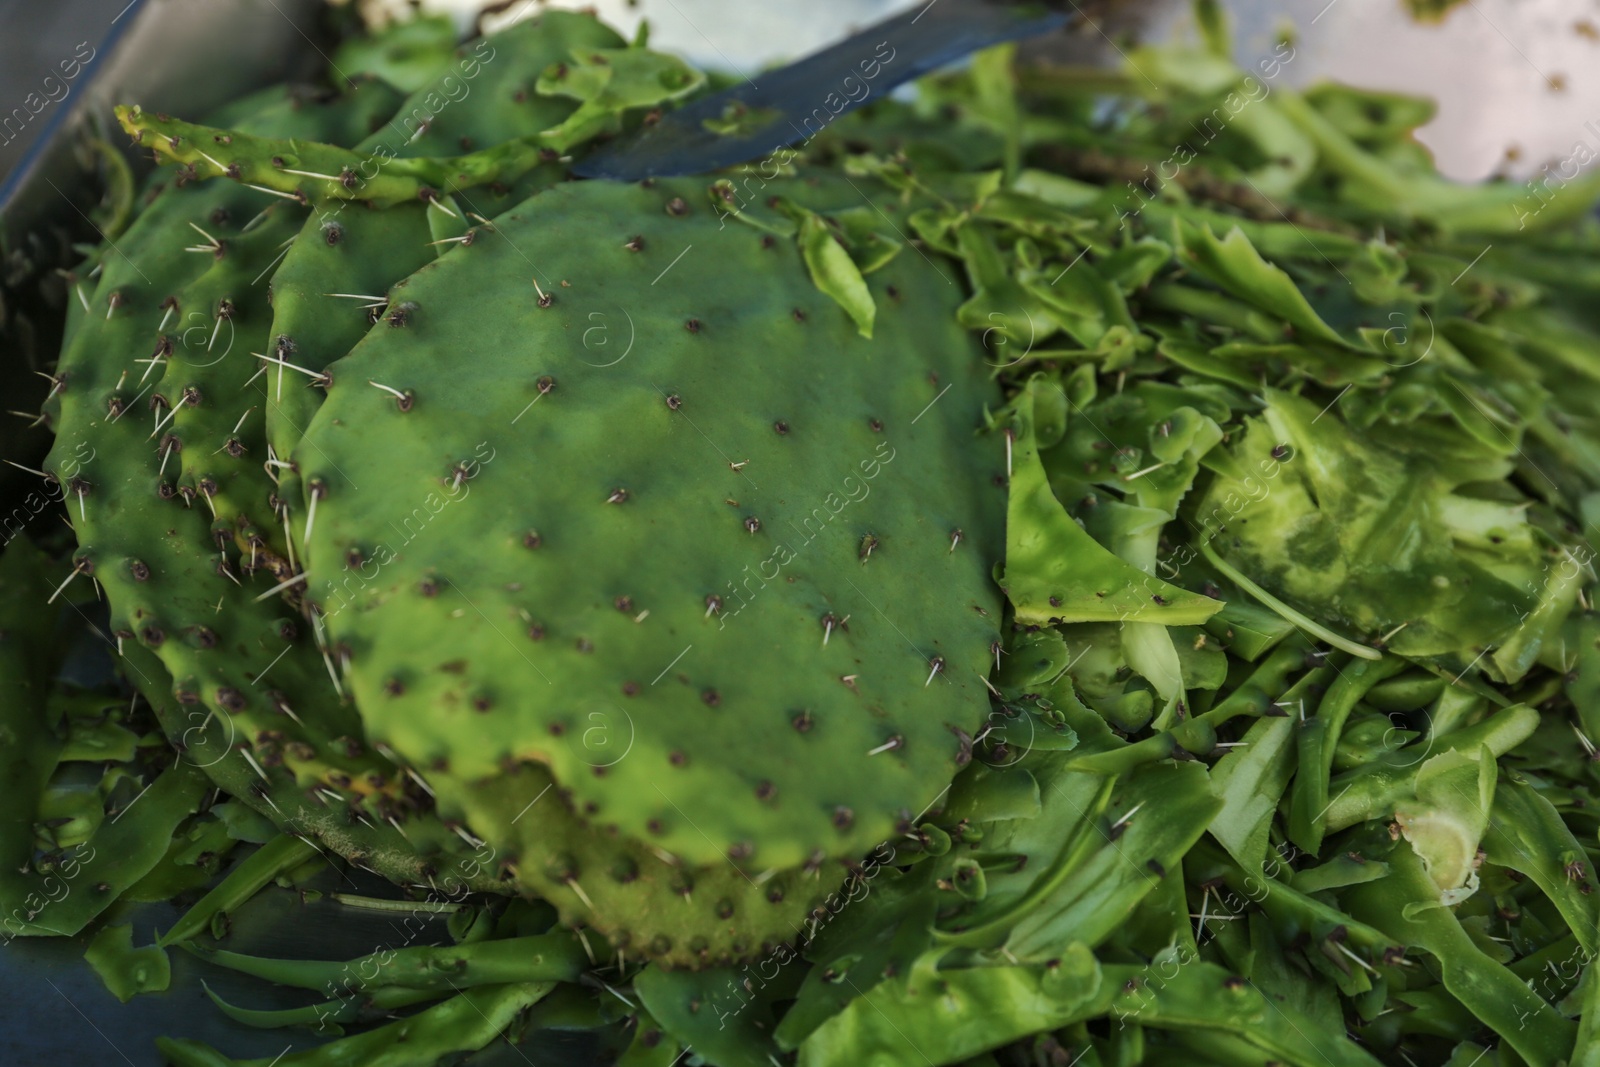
{"x": 1522, "y": 75}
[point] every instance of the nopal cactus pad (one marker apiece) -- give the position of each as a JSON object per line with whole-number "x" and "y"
{"x": 174, "y": 518}
{"x": 646, "y": 455}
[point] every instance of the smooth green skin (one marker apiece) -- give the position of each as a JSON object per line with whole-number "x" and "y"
{"x": 125, "y": 845}
{"x": 1056, "y": 572}
{"x": 878, "y": 929}
{"x": 277, "y": 857}
{"x": 532, "y": 461}
{"x": 128, "y": 971}
{"x": 370, "y": 1007}
{"x": 90, "y": 878}
{"x": 555, "y": 957}
{"x": 1258, "y": 693}
{"x": 1372, "y": 791}
{"x": 1265, "y": 960}
{"x": 1494, "y": 208}
{"x": 1233, "y": 263}
{"x": 296, "y": 113}
{"x": 608, "y": 81}
{"x": 1293, "y": 910}
{"x": 1404, "y": 906}
{"x": 489, "y": 95}
{"x": 1583, "y": 683}
{"x": 92, "y": 738}
{"x": 1316, "y": 739}
{"x": 982, "y": 1008}
{"x": 1252, "y": 779}
{"x": 835, "y": 273}
{"x": 650, "y": 1046}
{"x": 1247, "y": 630}
{"x": 463, "y": 1023}
{"x": 1083, "y": 879}
{"x": 1586, "y": 1048}
{"x": 1527, "y": 834}
{"x": 190, "y": 865}
{"x": 724, "y": 1016}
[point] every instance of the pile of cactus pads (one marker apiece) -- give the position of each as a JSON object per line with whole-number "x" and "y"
{"x": 1065, "y": 567}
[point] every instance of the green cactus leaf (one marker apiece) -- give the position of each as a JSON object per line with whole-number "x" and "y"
{"x": 1056, "y": 572}
{"x": 128, "y": 971}
{"x": 835, "y": 273}
{"x": 608, "y": 82}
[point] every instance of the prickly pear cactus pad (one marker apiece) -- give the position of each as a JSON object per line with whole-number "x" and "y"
{"x": 734, "y": 540}
{"x": 175, "y": 531}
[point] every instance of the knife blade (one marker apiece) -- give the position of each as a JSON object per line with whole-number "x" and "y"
{"x": 796, "y": 102}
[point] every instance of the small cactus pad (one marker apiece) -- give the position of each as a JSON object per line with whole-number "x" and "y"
{"x": 158, "y": 411}
{"x": 659, "y": 518}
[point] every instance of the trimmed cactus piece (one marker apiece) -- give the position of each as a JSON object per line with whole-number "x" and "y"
{"x": 836, "y": 273}
{"x": 651, "y": 1046}
{"x": 464, "y": 1023}
{"x": 275, "y": 858}
{"x": 80, "y": 884}
{"x": 1405, "y": 906}
{"x": 128, "y": 971}
{"x": 329, "y": 1015}
{"x": 73, "y": 840}
{"x": 554, "y": 957}
{"x": 192, "y": 861}
{"x": 525, "y": 650}
{"x": 489, "y": 95}
{"x": 302, "y": 171}
{"x": 1056, "y": 572}
{"x": 1469, "y": 566}
{"x": 725, "y": 1016}
{"x": 608, "y": 82}
{"x": 986, "y": 1007}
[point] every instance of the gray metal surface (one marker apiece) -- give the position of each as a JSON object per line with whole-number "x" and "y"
{"x": 187, "y": 55}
